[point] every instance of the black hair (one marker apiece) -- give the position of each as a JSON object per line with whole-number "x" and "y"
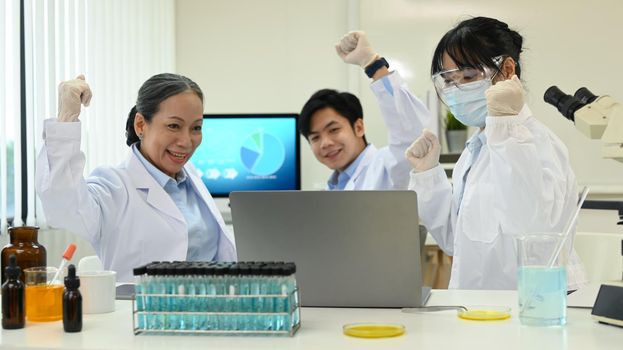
{"x": 474, "y": 42}
{"x": 153, "y": 91}
{"x": 345, "y": 104}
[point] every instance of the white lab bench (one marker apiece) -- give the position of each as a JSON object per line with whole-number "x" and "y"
{"x": 322, "y": 329}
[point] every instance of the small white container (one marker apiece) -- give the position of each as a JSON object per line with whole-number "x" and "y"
{"x": 98, "y": 291}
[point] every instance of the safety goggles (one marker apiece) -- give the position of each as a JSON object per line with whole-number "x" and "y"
{"x": 462, "y": 77}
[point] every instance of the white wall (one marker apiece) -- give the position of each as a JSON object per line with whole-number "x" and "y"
{"x": 262, "y": 56}
{"x": 270, "y": 56}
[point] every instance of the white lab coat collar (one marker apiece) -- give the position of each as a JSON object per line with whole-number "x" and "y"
{"x": 363, "y": 164}
{"x": 157, "y": 197}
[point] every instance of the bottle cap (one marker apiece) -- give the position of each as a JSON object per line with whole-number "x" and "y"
{"x": 290, "y": 268}
{"x": 72, "y": 281}
{"x": 244, "y": 269}
{"x": 69, "y": 252}
{"x": 219, "y": 270}
{"x": 255, "y": 270}
{"x": 151, "y": 269}
{"x": 140, "y": 270}
{"x": 181, "y": 269}
{"x": 170, "y": 269}
{"x": 12, "y": 271}
{"x": 234, "y": 269}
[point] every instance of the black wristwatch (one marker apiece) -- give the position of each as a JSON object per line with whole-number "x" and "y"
{"x": 376, "y": 65}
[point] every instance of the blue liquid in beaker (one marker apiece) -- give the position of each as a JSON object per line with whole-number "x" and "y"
{"x": 542, "y": 295}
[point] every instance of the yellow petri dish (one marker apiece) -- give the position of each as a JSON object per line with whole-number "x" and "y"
{"x": 485, "y": 313}
{"x": 373, "y": 330}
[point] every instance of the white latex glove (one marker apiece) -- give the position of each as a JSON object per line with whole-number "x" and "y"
{"x": 505, "y": 98}
{"x": 354, "y": 48}
{"x": 423, "y": 154}
{"x": 72, "y": 94}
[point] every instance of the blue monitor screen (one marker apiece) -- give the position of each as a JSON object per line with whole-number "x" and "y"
{"x": 250, "y": 152}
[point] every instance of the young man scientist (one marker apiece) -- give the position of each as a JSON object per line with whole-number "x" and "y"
{"x": 332, "y": 123}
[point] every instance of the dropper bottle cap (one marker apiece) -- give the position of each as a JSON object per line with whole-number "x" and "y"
{"x": 12, "y": 271}
{"x": 72, "y": 281}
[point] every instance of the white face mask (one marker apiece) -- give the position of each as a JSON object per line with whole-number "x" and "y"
{"x": 469, "y": 103}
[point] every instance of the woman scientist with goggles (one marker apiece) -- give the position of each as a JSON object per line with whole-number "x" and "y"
{"x": 514, "y": 176}
{"x": 153, "y": 206}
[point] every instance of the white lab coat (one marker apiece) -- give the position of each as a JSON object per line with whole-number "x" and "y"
{"x": 405, "y": 116}
{"x": 122, "y": 211}
{"x": 521, "y": 182}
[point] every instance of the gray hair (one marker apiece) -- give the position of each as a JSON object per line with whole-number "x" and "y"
{"x": 153, "y": 91}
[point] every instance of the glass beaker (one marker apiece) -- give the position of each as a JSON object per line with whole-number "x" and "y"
{"x": 542, "y": 278}
{"x": 23, "y": 243}
{"x": 44, "y": 297}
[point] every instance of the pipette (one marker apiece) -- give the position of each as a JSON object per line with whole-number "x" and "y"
{"x": 67, "y": 255}
{"x": 567, "y": 232}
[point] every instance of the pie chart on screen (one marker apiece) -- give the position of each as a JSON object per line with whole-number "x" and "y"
{"x": 262, "y": 153}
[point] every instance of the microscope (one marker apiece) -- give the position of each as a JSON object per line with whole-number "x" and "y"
{"x": 594, "y": 116}
{"x": 597, "y": 117}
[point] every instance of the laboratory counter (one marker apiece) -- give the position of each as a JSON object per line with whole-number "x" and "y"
{"x": 322, "y": 329}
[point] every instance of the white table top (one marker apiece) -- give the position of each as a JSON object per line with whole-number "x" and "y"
{"x": 322, "y": 329}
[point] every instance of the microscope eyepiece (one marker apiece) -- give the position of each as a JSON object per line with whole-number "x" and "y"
{"x": 585, "y": 95}
{"x": 566, "y": 104}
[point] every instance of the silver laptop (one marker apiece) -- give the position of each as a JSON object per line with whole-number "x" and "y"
{"x": 351, "y": 248}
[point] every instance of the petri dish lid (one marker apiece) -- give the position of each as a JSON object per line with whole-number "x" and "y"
{"x": 373, "y": 330}
{"x": 485, "y": 313}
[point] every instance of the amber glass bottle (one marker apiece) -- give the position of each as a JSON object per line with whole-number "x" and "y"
{"x": 23, "y": 243}
{"x": 13, "y": 312}
{"x": 72, "y": 302}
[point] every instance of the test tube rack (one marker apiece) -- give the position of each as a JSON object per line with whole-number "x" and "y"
{"x": 254, "y": 298}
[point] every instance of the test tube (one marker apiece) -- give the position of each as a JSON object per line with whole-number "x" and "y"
{"x": 140, "y": 273}
{"x": 245, "y": 304}
{"x": 181, "y": 302}
{"x": 192, "y": 288}
{"x": 292, "y": 302}
{"x": 201, "y": 320}
{"x": 281, "y": 289}
{"x": 232, "y": 301}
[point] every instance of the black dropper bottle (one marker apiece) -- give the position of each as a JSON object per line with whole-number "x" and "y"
{"x": 72, "y": 302}
{"x": 13, "y": 314}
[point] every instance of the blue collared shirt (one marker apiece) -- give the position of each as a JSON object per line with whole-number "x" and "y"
{"x": 203, "y": 229}
{"x": 339, "y": 179}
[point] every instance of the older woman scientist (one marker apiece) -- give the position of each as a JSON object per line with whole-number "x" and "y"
{"x": 150, "y": 207}
{"x": 514, "y": 177}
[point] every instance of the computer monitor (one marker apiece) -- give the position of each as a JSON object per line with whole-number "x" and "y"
{"x": 249, "y": 152}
